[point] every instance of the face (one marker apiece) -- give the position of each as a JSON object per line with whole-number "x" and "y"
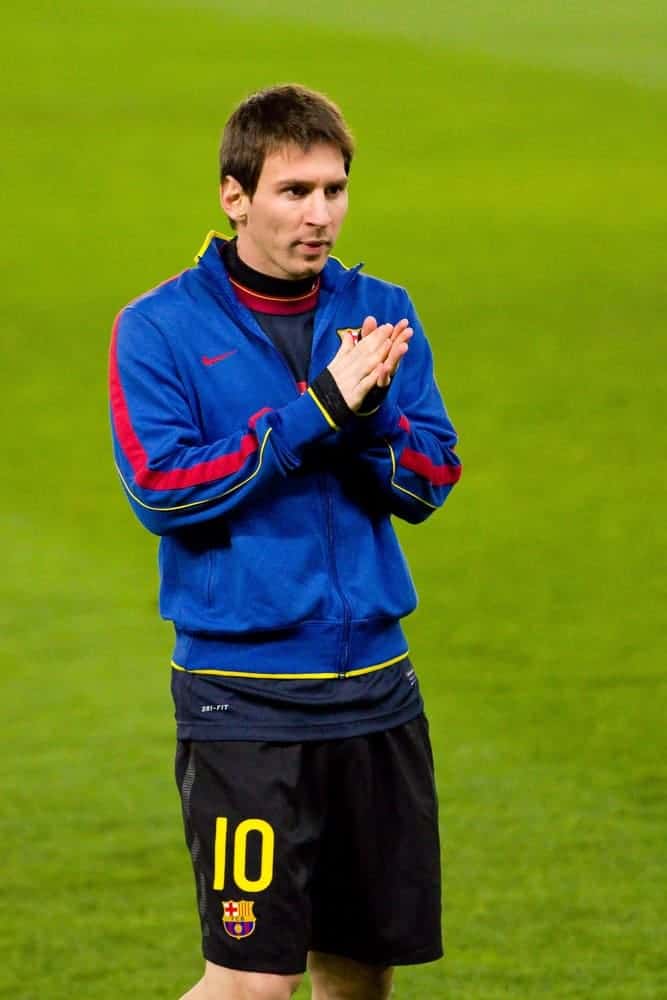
{"x": 290, "y": 224}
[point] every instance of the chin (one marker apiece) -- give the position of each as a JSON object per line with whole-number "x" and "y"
{"x": 307, "y": 271}
{"x": 315, "y": 266}
{"x": 303, "y": 266}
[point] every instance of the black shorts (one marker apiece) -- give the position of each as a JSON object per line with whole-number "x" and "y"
{"x": 328, "y": 846}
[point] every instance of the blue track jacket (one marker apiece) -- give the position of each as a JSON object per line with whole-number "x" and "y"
{"x": 277, "y": 557}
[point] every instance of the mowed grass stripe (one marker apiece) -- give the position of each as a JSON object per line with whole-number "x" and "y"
{"x": 525, "y": 210}
{"x": 607, "y": 38}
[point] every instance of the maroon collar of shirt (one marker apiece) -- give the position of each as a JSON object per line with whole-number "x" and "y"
{"x": 276, "y": 305}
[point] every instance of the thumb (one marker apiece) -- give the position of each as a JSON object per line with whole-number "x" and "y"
{"x": 347, "y": 343}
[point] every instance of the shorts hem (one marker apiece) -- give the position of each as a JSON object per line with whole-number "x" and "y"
{"x": 420, "y": 957}
{"x": 240, "y": 964}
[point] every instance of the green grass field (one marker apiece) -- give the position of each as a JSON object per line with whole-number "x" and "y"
{"x": 511, "y": 172}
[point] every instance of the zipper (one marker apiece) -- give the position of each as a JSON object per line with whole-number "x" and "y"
{"x": 322, "y": 318}
{"x": 347, "y": 612}
{"x": 209, "y": 582}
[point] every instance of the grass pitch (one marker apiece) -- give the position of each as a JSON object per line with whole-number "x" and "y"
{"x": 511, "y": 174}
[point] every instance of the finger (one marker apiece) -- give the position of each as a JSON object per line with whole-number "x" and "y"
{"x": 384, "y": 378}
{"x": 383, "y": 351}
{"x": 375, "y": 338}
{"x": 402, "y": 325}
{"x": 402, "y": 342}
{"x": 368, "y": 325}
{"x": 406, "y": 333}
{"x": 398, "y": 351}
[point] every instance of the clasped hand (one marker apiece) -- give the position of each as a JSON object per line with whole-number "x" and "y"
{"x": 369, "y": 361}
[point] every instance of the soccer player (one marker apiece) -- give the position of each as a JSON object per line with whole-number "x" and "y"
{"x": 271, "y": 410}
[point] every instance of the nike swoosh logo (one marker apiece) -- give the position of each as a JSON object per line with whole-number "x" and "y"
{"x": 218, "y": 357}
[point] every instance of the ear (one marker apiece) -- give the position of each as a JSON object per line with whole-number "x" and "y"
{"x": 234, "y": 200}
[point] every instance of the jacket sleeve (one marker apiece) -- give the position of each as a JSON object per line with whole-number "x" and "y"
{"x": 171, "y": 475}
{"x": 406, "y": 446}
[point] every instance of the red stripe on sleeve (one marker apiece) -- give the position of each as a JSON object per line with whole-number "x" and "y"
{"x": 404, "y": 423}
{"x": 128, "y": 440}
{"x": 260, "y": 413}
{"x": 172, "y": 479}
{"x": 438, "y": 475}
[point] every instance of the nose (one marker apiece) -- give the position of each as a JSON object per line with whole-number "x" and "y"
{"x": 318, "y": 213}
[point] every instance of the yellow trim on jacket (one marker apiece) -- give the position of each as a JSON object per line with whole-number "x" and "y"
{"x": 297, "y": 677}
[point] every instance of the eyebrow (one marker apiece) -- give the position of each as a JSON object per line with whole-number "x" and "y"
{"x": 299, "y": 182}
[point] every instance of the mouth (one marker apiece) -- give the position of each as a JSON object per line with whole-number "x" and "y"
{"x": 314, "y": 246}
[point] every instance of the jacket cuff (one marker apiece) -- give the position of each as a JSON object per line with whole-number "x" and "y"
{"x": 296, "y": 425}
{"x": 383, "y": 423}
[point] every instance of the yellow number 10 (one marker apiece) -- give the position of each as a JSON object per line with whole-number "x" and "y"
{"x": 265, "y": 831}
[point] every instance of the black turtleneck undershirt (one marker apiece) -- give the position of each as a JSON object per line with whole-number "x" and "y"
{"x": 262, "y": 284}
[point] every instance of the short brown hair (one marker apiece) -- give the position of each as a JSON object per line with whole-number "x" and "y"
{"x": 274, "y": 118}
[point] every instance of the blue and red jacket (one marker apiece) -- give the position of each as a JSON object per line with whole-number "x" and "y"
{"x": 278, "y": 558}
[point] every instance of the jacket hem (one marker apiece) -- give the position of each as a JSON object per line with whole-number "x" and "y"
{"x": 310, "y": 650}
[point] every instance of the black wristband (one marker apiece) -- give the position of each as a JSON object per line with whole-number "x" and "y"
{"x": 373, "y": 400}
{"x": 331, "y": 398}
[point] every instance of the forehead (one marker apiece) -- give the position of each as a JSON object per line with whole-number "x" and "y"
{"x": 320, "y": 163}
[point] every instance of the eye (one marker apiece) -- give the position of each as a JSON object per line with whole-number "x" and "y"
{"x": 296, "y": 191}
{"x": 333, "y": 190}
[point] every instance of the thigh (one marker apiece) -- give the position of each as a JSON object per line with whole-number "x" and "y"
{"x": 252, "y": 822}
{"x": 218, "y": 983}
{"x": 337, "y": 978}
{"x": 377, "y": 890}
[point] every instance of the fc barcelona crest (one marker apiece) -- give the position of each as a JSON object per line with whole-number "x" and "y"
{"x": 238, "y": 918}
{"x": 354, "y": 330}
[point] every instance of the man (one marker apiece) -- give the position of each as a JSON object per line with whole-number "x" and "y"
{"x": 271, "y": 409}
